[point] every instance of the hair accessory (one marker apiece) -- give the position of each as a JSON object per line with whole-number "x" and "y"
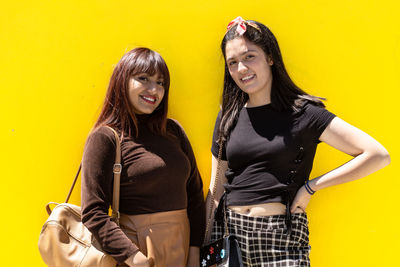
{"x": 242, "y": 25}
{"x": 241, "y": 28}
{"x": 308, "y": 188}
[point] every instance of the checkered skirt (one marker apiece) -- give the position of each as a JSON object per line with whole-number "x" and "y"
{"x": 264, "y": 241}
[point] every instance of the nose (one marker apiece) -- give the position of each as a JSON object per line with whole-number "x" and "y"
{"x": 242, "y": 67}
{"x": 152, "y": 88}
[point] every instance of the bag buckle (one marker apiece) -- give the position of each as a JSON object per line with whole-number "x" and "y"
{"x": 116, "y": 214}
{"x": 117, "y": 168}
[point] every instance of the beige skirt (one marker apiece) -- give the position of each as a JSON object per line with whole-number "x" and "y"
{"x": 163, "y": 236}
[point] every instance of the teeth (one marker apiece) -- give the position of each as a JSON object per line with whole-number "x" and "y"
{"x": 247, "y": 77}
{"x": 149, "y": 99}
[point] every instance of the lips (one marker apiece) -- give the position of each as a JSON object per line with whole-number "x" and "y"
{"x": 148, "y": 99}
{"x": 247, "y": 78}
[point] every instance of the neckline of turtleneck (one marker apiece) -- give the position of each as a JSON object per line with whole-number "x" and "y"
{"x": 141, "y": 118}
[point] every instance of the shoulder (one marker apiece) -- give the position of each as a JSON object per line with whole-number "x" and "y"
{"x": 100, "y": 144}
{"x": 313, "y": 110}
{"x": 173, "y": 123}
{"x": 310, "y": 107}
{"x": 101, "y": 136}
{"x": 315, "y": 119}
{"x": 174, "y": 127}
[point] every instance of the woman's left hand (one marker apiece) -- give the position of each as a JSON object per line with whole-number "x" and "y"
{"x": 194, "y": 257}
{"x": 301, "y": 200}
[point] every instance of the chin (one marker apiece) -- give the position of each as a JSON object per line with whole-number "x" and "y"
{"x": 249, "y": 91}
{"x": 142, "y": 111}
{"x": 147, "y": 112}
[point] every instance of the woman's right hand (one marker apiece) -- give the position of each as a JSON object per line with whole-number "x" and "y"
{"x": 138, "y": 260}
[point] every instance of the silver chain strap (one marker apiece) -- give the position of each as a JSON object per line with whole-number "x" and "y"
{"x": 214, "y": 190}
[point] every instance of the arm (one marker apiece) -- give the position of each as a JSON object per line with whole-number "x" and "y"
{"x": 195, "y": 199}
{"x": 369, "y": 156}
{"x": 210, "y": 207}
{"x": 196, "y": 214}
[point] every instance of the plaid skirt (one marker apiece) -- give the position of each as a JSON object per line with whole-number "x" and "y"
{"x": 264, "y": 241}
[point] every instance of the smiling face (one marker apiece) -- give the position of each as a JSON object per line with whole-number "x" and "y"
{"x": 145, "y": 92}
{"x": 250, "y": 68}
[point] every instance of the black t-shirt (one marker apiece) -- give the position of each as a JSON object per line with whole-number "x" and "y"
{"x": 270, "y": 153}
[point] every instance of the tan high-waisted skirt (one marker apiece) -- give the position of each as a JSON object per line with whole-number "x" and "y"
{"x": 163, "y": 236}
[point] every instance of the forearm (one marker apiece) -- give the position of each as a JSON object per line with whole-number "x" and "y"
{"x": 360, "y": 166}
{"x": 215, "y": 191}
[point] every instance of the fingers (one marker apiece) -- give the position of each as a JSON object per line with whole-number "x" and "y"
{"x": 140, "y": 260}
{"x": 301, "y": 200}
{"x": 294, "y": 206}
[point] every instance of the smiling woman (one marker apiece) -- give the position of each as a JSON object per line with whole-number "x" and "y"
{"x": 161, "y": 195}
{"x": 250, "y": 68}
{"x": 264, "y": 143}
{"x": 145, "y": 92}
{"x": 141, "y": 73}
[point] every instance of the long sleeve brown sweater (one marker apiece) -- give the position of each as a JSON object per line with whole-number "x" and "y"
{"x": 159, "y": 174}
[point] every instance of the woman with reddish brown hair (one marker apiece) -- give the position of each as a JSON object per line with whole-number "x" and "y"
{"x": 161, "y": 196}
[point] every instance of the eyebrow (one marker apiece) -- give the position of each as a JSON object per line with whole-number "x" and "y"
{"x": 161, "y": 77}
{"x": 250, "y": 50}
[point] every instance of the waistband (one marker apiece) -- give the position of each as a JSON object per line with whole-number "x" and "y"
{"x": 261, "y": 222}
{"x": 219, "y": 212}
{"x": 174, "y": 216}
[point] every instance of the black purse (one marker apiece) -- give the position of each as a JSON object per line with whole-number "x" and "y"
{"x": 225, "y": 251}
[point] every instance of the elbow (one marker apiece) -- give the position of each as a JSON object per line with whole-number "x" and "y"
{"x": 385, "y": 158}
{"x": 382, "y": 155}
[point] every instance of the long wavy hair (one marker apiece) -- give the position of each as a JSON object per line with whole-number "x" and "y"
{"x": 285, "y": 94}
{"x": 116, "y": 111}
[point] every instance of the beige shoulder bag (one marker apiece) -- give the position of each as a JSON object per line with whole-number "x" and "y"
{"x": 64, "y": 241}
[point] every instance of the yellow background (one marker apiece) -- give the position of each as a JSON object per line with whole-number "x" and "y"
{"x": 57, "y": 57}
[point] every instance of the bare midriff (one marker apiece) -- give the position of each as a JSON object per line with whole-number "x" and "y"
{"x": 265, "y": 209}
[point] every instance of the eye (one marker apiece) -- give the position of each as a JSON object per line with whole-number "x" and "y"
{"x": 248, "y": 57}
{"x": 231, "y": 63}
{"x": 160, "y": 83}
{"x": 142, "y": 78}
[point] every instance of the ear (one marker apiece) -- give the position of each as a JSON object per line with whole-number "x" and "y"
{"x": 269, "y": 60}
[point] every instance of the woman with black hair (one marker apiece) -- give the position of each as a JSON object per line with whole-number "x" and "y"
{"x": 161, "y": 196}
{"x": 267, "y": 133}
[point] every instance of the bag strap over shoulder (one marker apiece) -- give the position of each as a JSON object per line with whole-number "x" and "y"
{"x": 117, "y": 169}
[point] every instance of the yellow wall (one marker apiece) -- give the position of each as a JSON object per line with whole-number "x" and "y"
{"x": 56, "y": 58}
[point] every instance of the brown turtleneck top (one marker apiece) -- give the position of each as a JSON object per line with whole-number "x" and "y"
{"x": 159, "y": 174}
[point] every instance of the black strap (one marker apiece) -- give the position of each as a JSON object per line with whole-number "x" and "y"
{"x": 73, "y": 183}
{"x": 288, "y": 218}
{"x": 219, "y": 211}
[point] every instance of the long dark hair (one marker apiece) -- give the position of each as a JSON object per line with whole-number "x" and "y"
{"x": 116, "y": 111}
{"x": 285, "y": 95}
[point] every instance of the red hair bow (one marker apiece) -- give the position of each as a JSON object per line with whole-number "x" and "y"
{"x": 241, "y": 28}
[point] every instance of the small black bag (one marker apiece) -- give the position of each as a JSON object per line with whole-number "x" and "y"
{"x": 224, "y": 252}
